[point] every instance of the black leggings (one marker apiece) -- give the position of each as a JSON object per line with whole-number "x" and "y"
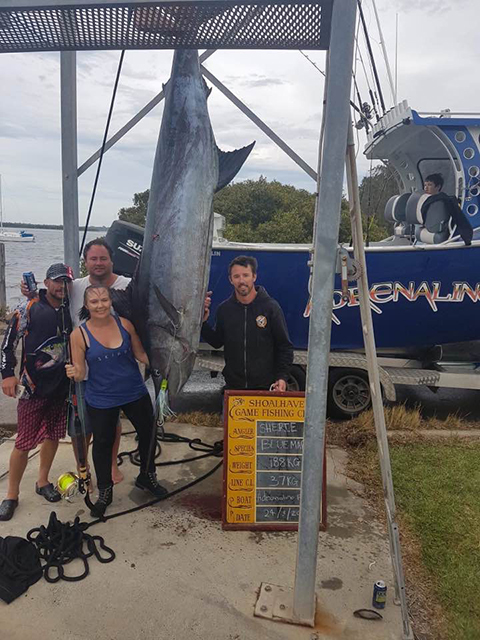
{"x": 104, "y": 426}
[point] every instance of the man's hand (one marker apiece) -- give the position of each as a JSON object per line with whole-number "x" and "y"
{"x": 208, "y": 302}
{"x": 26, "y": 291}
{"x": 279, "y": 385}
{"x": 9, "y": 385}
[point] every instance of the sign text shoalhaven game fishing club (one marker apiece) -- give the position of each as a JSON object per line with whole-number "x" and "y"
{"x": 263, "y": 460}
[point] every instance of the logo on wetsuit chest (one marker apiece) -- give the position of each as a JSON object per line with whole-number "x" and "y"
{"x": 261, "y": 322}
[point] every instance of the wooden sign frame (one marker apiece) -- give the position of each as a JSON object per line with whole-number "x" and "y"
{"x": 248, "y": 457}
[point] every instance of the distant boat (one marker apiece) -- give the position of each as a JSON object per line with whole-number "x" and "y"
{"x": 15, "y": 236}
{"x": 12, "y": 236}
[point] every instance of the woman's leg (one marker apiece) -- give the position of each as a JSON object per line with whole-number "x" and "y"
{"x": 140, "y": 414}
{"x": 104, "y": 424}
{"x": 117, "y": 475}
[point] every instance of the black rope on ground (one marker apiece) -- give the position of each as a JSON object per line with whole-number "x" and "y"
{"x": 155, "y": 500}
{"x": 215, "y": 449}
{"x": 60, "y": 543}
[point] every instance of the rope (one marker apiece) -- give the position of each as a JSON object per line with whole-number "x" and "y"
{"x": 196, "y": 444}
{"x": 102, "y": 150}
{"x": 60, "y": 543}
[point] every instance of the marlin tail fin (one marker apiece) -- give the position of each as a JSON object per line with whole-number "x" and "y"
{"x": 230, "y": 163}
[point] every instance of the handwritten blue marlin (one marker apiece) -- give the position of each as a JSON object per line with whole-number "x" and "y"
{"x": 169, "y": 287}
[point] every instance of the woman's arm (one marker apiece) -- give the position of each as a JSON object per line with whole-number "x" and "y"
{"x": 77, "y": 369}
{"x": 137, "y": 346}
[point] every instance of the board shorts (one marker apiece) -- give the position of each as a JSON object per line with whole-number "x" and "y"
{"x": 40, "y": 419}
{"x": 82, "y": 414}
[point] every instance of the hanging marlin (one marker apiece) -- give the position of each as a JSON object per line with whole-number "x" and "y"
{"x": 168, "y": 290}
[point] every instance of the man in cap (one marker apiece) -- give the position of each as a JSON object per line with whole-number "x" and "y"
{"x": 43, "y": 324}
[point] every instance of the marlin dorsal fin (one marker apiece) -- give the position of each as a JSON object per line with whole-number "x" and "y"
{"x": 230, "y": 163}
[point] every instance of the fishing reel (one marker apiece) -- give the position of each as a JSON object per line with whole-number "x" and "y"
{"x": 70, "y": 484}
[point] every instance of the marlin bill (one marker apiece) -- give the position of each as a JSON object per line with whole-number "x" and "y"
{"x": 165, "y": 300}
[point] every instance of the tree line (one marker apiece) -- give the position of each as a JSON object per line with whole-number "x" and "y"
{"x": 268, "y": 211}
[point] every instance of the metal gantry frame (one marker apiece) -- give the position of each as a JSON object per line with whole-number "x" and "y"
{"x": 336, "y": 137}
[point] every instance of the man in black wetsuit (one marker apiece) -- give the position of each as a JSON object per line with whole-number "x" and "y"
{"x": 43, "y": 324}
{"x": 251, "y": 327}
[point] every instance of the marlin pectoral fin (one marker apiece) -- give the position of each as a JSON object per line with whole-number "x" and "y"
{"x": 172, "y": 312}
{"x": 230, "y": 163}
{"x": 122, "y": 301}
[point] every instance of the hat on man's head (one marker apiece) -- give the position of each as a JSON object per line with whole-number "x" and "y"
{"x": 59, "y": 270}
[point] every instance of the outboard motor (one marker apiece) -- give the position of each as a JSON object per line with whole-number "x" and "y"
{"x": 435, "y": 228}
{"x": 126, "y": 242}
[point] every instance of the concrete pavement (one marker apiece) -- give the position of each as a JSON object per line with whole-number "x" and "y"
{"x": 177, "y": 575}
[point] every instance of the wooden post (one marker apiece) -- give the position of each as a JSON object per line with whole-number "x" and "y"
{"x": 3, "y": 286}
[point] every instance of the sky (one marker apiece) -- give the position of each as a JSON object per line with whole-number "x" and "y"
{"x": 438, "y": 52}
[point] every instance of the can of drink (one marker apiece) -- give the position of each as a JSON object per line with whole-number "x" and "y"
{"x": 379, "y": 594}
{"x": 30, "y": 281}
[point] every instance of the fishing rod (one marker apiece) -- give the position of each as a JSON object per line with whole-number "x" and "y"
{"x": 385, "y": 54}
{"x": 370, "y": 53}
{"x": 69, "y": 482}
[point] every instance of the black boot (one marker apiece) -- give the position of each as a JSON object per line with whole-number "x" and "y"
{"x": 105, "y": 497}
{"x": 148, "y": 482}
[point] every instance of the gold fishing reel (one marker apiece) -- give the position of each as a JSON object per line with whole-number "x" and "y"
{"x": 68, "y": 485}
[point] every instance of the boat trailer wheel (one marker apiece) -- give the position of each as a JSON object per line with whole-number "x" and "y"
{"x": 349, "y": 392}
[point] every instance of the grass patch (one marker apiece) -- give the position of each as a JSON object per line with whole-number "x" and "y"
{"x": 360, "y": 430}
{"x": 199, "y": 419}
{"x": 437, "y": 488}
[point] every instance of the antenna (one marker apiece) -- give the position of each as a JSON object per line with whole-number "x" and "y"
{"x": 396, "y": 56}
{"x": 385, "y": 55}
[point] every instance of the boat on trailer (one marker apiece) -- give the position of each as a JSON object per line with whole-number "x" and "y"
{"x": 423, "y": 292}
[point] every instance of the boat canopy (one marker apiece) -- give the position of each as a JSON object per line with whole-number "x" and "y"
{"x": 418, "y": 146}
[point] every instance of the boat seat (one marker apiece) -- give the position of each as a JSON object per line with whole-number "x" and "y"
{"x": 395, "y": 209}
{"x": 436, "y": 227}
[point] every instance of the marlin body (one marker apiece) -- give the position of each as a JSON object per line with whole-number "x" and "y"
{"x": 169, "y": 287}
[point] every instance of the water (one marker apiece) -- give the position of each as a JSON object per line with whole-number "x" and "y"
{"x": 34, "y": 256}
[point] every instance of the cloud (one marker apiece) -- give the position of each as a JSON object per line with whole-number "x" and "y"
{"x": 9, "y": 130}
{"x": 429, "y": 6}
{"x": 254, "y": 80}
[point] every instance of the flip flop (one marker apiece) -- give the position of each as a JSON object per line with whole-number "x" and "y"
{"x": 368, "y": 614}
{"x": 7, "y": 509}
{"x": 48, "y": 492}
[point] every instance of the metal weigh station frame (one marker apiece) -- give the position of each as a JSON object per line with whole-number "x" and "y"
{"x": 83, "y": 25}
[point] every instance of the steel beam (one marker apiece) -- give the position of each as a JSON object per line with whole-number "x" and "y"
{"x": 336, "y": 114}
{"x": 68, "y": 106}
{"x": 132, "y": 122}
{"x": 260, "y": 124}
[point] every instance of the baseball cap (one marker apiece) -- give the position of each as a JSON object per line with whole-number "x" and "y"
{"x": 59, "y": 270}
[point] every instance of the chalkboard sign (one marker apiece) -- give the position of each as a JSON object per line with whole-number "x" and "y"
{"x": 263, "y": 455}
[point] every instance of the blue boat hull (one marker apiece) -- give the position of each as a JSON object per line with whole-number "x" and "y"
{"x": 420, "y": 296}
